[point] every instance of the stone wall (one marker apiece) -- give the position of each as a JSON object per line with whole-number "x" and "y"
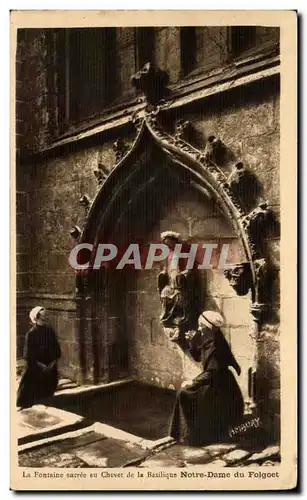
{"x": 40, "y": 92}
{"x": 155, "y": 358}
{"x": 249, "y": 130}
{"x": 52, "y": 190}
{"x": 32, "y": 90}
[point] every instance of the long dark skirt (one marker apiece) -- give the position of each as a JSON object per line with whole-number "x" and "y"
{"x": 36, "y": 385}
{"x": 204, "y": 411}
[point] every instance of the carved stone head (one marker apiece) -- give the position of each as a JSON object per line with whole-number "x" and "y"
{"x": 170, "y": 238}
{"x": 75, "y": 232}
{"x": 239, "y": 278}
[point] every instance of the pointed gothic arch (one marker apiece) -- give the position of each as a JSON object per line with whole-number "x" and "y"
{"x": 118, "y": 191}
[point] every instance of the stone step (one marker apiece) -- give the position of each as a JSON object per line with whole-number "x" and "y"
{"x": 39, "y": 422}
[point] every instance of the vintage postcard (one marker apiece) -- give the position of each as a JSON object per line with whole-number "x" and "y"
{"x": 153, "y": 266}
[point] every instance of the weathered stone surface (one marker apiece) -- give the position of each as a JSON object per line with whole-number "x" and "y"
{"x": 211, "y": 44}
{"x": 110, "y": 453}
{"x": 235, "y": 456}
{"x": 38, "y": 417}
{"x": 42, "y": 420}
{"x": 36, "y": 457}
{"x": 168, "y": 51}
{"x": 188, "y": 454}
{"x": 269, "y": 453}
{"x": 61, "y": 460}
{"x": 218, "y": 463}
{"x": 219, "y": 449}
{"x": 163, "y": 459}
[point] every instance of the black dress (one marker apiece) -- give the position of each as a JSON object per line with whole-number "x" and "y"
{"x": 41, "y": 346}
{"x": 213, "y": 402}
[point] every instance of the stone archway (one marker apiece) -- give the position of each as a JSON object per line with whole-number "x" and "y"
{"x": 104, "y": 324}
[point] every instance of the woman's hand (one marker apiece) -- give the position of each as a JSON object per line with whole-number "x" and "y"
{"x": 42, "y": 366}
{"x": 186, "y": 383}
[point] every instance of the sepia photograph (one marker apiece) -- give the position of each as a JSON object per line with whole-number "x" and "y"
{"x": 147, "y": 222}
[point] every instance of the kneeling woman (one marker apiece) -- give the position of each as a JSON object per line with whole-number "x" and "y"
{"x": 212, "y": 402}
{"x": 41, "y": 352}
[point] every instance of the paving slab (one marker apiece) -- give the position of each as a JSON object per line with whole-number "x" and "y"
{"x": 269, "y": 453}
{"x": 42, "y": 421}
{"x": 110, "y": 453}
{"x": 189, "y": 455}
{"x": 163, "y": 460}
{"x": 219, "y": 449}
{"x": 235, "y": 456}
{"x": 35, "y": 454}
{"x": 59, "y": 460}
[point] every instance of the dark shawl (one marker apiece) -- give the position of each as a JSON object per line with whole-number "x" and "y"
{"x": 205, "y": 409}
{"x": 41, "y": 345}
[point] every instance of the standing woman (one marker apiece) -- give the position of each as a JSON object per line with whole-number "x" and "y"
{"x": 41, "y": 353}
{"x": 209, "y": 404}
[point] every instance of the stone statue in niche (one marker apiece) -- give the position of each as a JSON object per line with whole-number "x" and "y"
{"x": 240, "y": 278}
{"x": 179, "y": 292}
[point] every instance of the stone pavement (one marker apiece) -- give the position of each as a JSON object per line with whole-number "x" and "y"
{"x": 221, "y": 455}
{"x": 43, "y": 421}
{"x": 54, "y": 438}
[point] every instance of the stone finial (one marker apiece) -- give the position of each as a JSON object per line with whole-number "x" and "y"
{"x": 263, "y": 275}
{"x": 239, "y": 277}
{"x": 75, "y": 232}
{"x": 85, "y": 201}
{"x": 215, "y": 149}
{"x": 101, "y": 173}
{"x": 152, "y": 81}
{"x": 185, "y": 131}
{"x": 120, "y": 147}
{"x": 236, "y": 176}
{"x": 257, "y": 222}
{"x": 136, "y": 121}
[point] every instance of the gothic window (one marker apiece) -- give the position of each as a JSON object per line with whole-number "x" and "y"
{"x": 86, "y": 73}
{"x": 242, "y": 38}
{"x": 144, "y": 46}
{"x": 187, "y": 49}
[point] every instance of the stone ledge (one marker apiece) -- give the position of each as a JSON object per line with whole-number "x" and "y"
{"x": 81, "y": 389}
{"x": 40, "y": 422}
